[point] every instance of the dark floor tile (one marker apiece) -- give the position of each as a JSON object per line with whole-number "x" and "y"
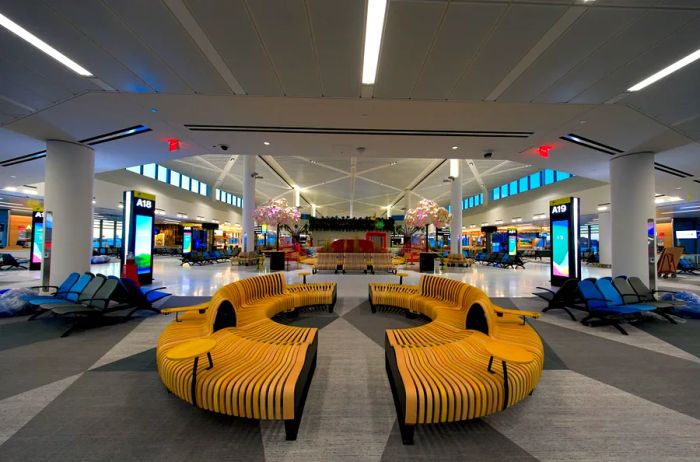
{"x": 373, "y": 325}
{"x": 120, "y": 416}
{"x": 141, "y": 362}
{"x": 470, "y": 440}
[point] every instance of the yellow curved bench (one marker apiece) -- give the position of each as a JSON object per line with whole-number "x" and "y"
{"x": 472, "y": 360}
{"x": 261, "y": 369}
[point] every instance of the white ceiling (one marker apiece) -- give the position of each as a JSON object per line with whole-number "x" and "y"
{"x": 549, "y": 67}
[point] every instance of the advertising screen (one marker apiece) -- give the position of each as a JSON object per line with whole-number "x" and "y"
{"x": 143, "y": 242}
{"x": 691, "y": 234}
{"x": 560, "y": 248}
{"x": 187, "y": 242}
{"x": 38, "y": 243}
{"x": 512, "y": 241}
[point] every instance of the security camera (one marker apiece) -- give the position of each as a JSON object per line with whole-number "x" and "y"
{"x": 488, "y": 155}
{"x": 224, "y": 147}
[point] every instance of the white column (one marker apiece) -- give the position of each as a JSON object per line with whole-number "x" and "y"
{"x": 605, "y": 238}
{"x": 313, "y": 210}
{"x": 632, "y": 191}
{"x": 409, "y": 199}
{"x": 456, "y": 205}
{"x": 69, "y": 188}
{"x": 248, "y": 203}
{"x": 297, "y": 197}
{"x": 388, "y": 211}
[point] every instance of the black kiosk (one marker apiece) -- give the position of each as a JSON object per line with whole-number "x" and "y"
{"x": 565, "y": 230}
{"x": 139, "y": 215}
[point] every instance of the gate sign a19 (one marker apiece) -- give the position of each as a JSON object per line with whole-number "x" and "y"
{"x": 564, "y": 226}
{"x": 139, "y": 213}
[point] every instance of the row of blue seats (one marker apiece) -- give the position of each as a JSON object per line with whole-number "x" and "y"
{"x": 608, "y": 301}
{"x": 86, "y": 295}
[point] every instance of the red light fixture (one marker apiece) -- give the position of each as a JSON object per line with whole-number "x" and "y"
{"x": 544, "y": 150}
{"x": 173, "y": 144}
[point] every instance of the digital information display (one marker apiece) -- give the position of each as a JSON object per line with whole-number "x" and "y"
{"x": 143, "y": 244}
{"x": 37, "y": 241}
{"x": 186, "y": 242}
{"x": 564, "y": 226}
{"x": 691, "y": 234}
{"x": 512, "y": 242}
{"x": 139, "y": 218}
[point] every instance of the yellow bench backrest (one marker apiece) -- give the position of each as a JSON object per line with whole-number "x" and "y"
{"x": 442, "y": 288}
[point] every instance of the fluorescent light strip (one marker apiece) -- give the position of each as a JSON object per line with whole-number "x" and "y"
{"x": 24, "y": 34}
{"x": 694, "y": 56}
{"x": 376, "y": 9}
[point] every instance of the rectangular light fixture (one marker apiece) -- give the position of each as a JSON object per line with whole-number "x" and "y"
{"x": 23, "y": 33}
{"x": 694, "y": 56}
{"x": 376, "y": 9}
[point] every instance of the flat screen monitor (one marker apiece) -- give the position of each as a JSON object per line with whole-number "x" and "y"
{"x": 38, "y": 243}
{"x": 690, "y": 234}
{"x": 187, "y": 242}
{"x": 143, "y": 243}
{"x": 560, "y": 248}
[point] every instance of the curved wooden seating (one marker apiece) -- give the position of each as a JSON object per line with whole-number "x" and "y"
{"x": 327, "y": 262}
{"x": 354, "y": 262}
{"x": 261, "y": 369}
{"x": 382, "y": 262}
{"x": 442, "y": 371}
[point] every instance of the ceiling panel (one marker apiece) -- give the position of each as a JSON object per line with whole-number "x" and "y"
{"x": 672, "y": 100}
{"x": 285, "y": 32}
{"x": 157, "y": 28}
{"x": 517, "y": 32}
{"x": 675, "y": 46}
{"x": 338, "y": 31}
{"x": 594, "y": 29}
{"x": 29, "y": 88}
{"x": 463, "y": 30}
{"x": 43, "y": 19}
{"x": 232, "y": 32}
{"x": 102, "y": 27}
{"x": 408, "y": 35}
{"x": 37, "y": 69}
{"x": 631, "y": 41}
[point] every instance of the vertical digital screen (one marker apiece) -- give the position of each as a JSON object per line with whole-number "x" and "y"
{"x": 38, "y": 243}
{"x": 512, "y": 244}
{"x": 187, "y": 242}
{"x": 560, "y": 248}
{"x": 143, "y": 242}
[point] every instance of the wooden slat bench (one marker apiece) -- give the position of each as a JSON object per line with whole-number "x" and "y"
{"x": 261, "y": 369}
{"x": 445, "y": 371}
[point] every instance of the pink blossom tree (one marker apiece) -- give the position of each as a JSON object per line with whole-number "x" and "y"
{"x": 276, "y": 213}
{"x": 425, "y": 214}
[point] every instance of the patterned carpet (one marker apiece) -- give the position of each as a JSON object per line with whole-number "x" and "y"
{"x": 96, "y": 396}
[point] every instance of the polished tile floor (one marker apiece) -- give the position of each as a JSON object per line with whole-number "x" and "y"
{"x": 205, "y": 280}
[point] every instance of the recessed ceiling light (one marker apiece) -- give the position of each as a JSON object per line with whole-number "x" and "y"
{"x": 694, "y": 56}
{"x": 24, "y": 34}
{"x": 376, "y": 9}
{"x": 455, "y": 147}
{"x": 266, "y": 143}
{"x": 13, "y": 176}
{"x": 679, "y": 187}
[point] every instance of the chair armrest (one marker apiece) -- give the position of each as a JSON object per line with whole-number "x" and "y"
{"x": 664, "y": 291}
{"x": 153, "y": 290}
{"x": 43, "y": 287}
{"x": 525, "y": 314}
{"x": 186, "y": 309}
{"x": 548, "y": 290}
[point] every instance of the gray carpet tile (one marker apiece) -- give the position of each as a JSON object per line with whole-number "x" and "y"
{"x": 23, "y": 332}
{"x": 36, "y": 364}
{"x": 140, "y": 362}
{"x": 571, "y": 417}
{"x": 471, "y": 440}
{"x": 176, "y": 301}
{"x": 373, "y": 325}
{"x": 685, "y": 335}
{"x": 119, "y": 416}
{"x": 668, "y": 381}
{"x": 308, "y": 317}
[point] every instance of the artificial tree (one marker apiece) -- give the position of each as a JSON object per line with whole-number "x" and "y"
{"x": 425, "y": 214}
{"x": 276, "y": 212}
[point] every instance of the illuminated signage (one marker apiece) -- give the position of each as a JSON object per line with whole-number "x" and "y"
{"x": 564, "y": 225}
